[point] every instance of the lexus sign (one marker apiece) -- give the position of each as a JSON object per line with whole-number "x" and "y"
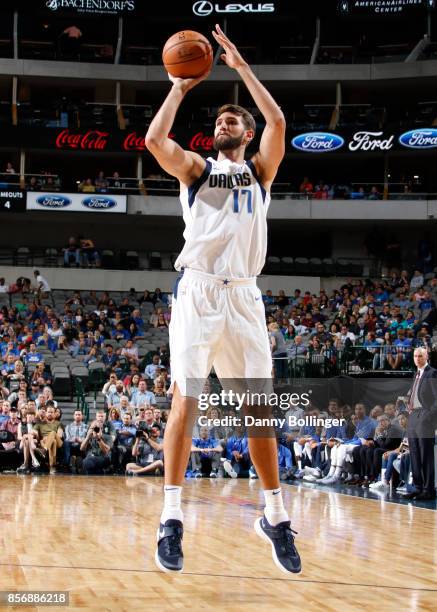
{"x": 204, "y": 8}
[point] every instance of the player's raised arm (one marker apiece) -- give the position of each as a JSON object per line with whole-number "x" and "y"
{"x": 184, "y": 165}
{"x": 272, "y": 145}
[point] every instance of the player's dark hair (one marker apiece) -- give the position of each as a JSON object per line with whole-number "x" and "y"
{"x": 248, "y": 120}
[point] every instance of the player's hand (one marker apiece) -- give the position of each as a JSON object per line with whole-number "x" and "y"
{"x": 231, "y": 55}
{"x": 186, "y": 84}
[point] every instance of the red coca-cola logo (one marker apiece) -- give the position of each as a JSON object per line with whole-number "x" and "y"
{"x": 200, "y": 141}
{"x": 133, "y": 142}
{"x": 92, "y": 140}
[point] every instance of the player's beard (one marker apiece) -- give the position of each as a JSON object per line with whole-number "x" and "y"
{"x": 227, "y": 143}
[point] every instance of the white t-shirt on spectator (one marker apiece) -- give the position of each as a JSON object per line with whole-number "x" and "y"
{"x": 4, "y": 288}
{"x": 45, "y": 287}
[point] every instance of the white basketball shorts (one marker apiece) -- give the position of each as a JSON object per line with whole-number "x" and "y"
{"x": 220, "y": 322}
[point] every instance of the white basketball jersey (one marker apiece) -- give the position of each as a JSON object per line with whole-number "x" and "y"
{"x": 225, "y": 214}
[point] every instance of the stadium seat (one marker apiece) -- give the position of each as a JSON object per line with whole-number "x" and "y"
{"x": 287, "y": 265}
{"x": 328, "y": 267}
{"x": 62, "y": 384}
{"x": 155, "y": 260}
{"x": 302, "y": 266}
{"x": 315, "y": 266}
{"x": 108, "y": 259}
{"x": 273, "y": 265}
{"x": 22, "y": 257}
{"x": 344, "y": 267}
{"x": 50, "y": 257}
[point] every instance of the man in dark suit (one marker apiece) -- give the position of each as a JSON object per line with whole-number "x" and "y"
{"x": 422, "y": 406}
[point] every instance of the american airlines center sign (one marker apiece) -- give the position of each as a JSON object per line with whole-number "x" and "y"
{"x": 365, "y": 141}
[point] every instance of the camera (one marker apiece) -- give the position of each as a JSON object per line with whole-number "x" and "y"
{"x": 96, "y": 429}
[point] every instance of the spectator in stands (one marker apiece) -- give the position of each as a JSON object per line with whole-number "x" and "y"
{"x": 28, "y": 442}
{"x": 70, "y": 43}
{"x": 148, "y": 453}
{"x": 42, "y": 286}
{"x": 146, "y": 297}
{"x": 33, "y": 184}
{"x": 90, "y": 254}
{"x": 306, "y": 187}
{"x": 130, "y": 352}
{"x": 4, "y": 287}
{"x": 132, "y": 385}
{"x": 9, "y": 445}
{"x": 143, "y": 397}
{"x": 417, "y": 281}
{"x": 279, "y": 351}
{"x": 71, "y": 254}
{"x": 97, "y": 446}
{"x": 74, "y": 435}
{"x": 114, "y": 421}
{"x": 50, "y": 434}
{"x": 101, "y": 183}
{"x": 364, "y": 431}
{"x": 374, "y": 194}
{"x": 114, "y": 181}
{"x": 123, "y": 443}
{"x": 205, "y": 454}
{"x": 237, "y": 454}
{"x": 87, "y": 186}
{"x": 9, "y": 168}
{"x": 152, "y": 369}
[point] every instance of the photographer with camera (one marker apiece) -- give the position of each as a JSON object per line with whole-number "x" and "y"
{"x": 97, "y": 446}
{"x": 123, "y": 443}
{"x": 147, "y": 450}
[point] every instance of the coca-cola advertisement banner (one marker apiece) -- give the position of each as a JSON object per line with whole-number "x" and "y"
{"x": 76, "y": 202}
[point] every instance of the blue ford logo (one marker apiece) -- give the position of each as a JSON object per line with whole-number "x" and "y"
{"x": 51, "y": 200}
{"x": 422, "y": 138}
{"x": 99, "y": 202}
{"x": 317, "y": 142}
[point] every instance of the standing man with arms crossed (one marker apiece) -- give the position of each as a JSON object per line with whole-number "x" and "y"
{"x": 218, "y": 315}
{"x": 422, "y": 406}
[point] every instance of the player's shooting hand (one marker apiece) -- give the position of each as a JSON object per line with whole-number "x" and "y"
{"x": 186, "y": 84}
{"x": 231, "y": 55}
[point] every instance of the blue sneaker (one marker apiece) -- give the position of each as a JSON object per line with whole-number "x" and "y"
{"x": 169, "y": 556}
{"x": 281, "y": 539}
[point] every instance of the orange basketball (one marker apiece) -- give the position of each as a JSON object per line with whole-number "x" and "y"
{"x": 187, "y": 54}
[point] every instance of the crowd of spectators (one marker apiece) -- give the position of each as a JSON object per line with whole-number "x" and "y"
{"x": 376, "y": 324}
{"x": 101, "y": 183}
{"x": 321, "y": 190}
{"x": 361, "y": 326}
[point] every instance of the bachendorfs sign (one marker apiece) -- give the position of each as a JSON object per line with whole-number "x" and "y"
{"x": 87, "y": 7}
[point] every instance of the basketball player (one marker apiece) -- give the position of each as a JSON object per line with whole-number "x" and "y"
{"x": 218, "y": 315}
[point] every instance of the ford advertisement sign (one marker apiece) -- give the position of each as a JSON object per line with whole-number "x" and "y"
{"x": 99, "y": 202}
{"x": 317, "y": 142}
{"x": 53, "y": 200}
{"x": 77, "y": 202}
{"x": 421, "y": 138}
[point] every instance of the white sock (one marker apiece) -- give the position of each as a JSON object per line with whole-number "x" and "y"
{"x": 172, "y": 504}
{"x": 337, "y": 472}
{"x": 274, "y": 511}
{"x": 383, "y": 475}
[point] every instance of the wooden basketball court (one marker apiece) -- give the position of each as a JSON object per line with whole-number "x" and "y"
{"x": 95, "y": 537}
